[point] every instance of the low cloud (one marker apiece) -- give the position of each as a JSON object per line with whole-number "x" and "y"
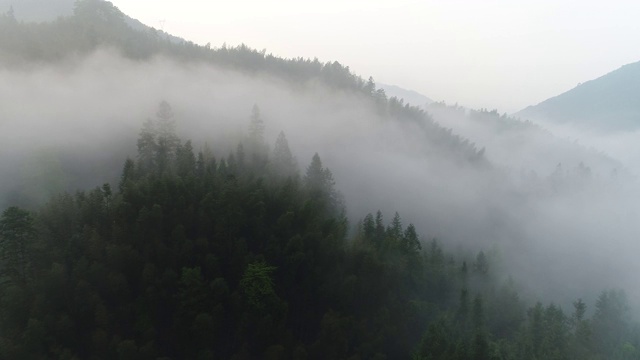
{"x": 563, "y": 231}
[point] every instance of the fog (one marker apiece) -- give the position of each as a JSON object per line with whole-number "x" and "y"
{"x": 561, "y": 229}
{"x": 620, "y": 144}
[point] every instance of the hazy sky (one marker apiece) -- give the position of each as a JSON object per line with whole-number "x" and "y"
{"x": 483, "y": 54}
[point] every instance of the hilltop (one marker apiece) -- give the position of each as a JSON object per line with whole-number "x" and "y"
{"x": 610, "y": 102}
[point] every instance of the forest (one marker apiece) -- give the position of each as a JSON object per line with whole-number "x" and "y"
{"x": 203, "y": 249}
{"x": 242, "y": 256}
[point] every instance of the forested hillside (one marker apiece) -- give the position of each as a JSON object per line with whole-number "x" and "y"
{"x": 37, "y": 10}
{"x": 152, "y": 207}
{"x": 524, "y": 145}
{"x": 97, "y": 25}
{"x": 240, "y": 256}
{"x": 609, "y": 102}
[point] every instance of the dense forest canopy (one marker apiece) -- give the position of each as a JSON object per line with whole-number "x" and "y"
{"x": 162, "y": 199}
{"x": 242, "y": 256}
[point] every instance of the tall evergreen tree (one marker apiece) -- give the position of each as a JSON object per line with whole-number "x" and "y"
{"x": 610, "y": 321}
{"x": 147, "y": 146}
{"x": 379, "y": 230}
{"x": 128, "y": 173}
{"x": 166, "y": 139}
{"x": 369, "y": 227}
{"x": 256, "y": 126}
{"x": 318, "y": 178}
{"x": 283, "y": 162}
{"x": 394, "y": 230}
{"x": 410, "y": 241}
{"x": 257, "y": 148}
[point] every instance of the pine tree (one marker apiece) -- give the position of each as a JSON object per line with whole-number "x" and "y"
{"x": 379, "y": 229}
{"x": 200, "y": 165}
{"x": 256, "y": 146}
{"x": 283, "y": 162}
{"x": 581, "y": 328}
{"x": 410, "y": 241}
{"x": 185, "y": 160}
{"x": 167, "y": 141}
{"x": 368, "y": 228}
{"x": 127, "y": 174}
{"x": 256, "y": 126}
{"x": 240, "y": 154}
{"x": 318, "y": 178}
{"x": 394, "y": 230}
{"x": 610, "y": 321}
{"x": 147, "y": 146}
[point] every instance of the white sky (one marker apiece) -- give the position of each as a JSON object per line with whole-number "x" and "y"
{"x": 482, "y": 54}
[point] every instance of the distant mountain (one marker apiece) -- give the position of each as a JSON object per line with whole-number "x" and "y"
{"x": 37, "y": 10}
{"x": 523, "y": 145}
{"x": 49, "y": 10}
{"x": 409, "y": 96}
{"x": 609, "y": 102}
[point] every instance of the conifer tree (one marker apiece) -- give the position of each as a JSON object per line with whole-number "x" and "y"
{"x": 166, "y": 138}
{"x": 256, "y": 146}
{"x": 147, "y": 146}
{"x": 410, "y": 241}
{"x": 394, "y": 230}
{"x": 240, "y": 154}
{"x": 369, "y": 227}
{"x": 127, "y": 174}
{"x": 317, "y": 177}
{"x": 283, "y": 161}
{"x": 185, "y": 160}
{"x": 256, "y": 126}
{"x": 379, "y": 229}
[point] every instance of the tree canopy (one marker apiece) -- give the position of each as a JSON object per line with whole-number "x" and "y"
{"x": 197, "y": 256}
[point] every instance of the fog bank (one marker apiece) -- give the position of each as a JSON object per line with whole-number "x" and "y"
{"x": 564, "y": 231}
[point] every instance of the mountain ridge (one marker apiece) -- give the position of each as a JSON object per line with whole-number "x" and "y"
{"x": 42, "y": 11}
{"x": 195, "y": 251}
{"x": 609, "y": 102}
{"x": 37, "y": 10}
{"x": 409, "y": 96}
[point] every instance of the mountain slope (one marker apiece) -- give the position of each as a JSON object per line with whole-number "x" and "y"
{"x": 523, "y": 145}
{"x": 97, "y": 24}
{"x": 409, "y": 96}
{"x": 609, "y": 102}
{"x": 37, "y": 10}
{"x": 90, "y": 81}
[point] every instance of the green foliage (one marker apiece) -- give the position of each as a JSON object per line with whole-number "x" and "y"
{"x": 257, "y": 285}
{"x": 17, "y": 234}
{"x": 99, "y": 24}
{"x": 194, "y": 257}
{"x": 240, "y": 257}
